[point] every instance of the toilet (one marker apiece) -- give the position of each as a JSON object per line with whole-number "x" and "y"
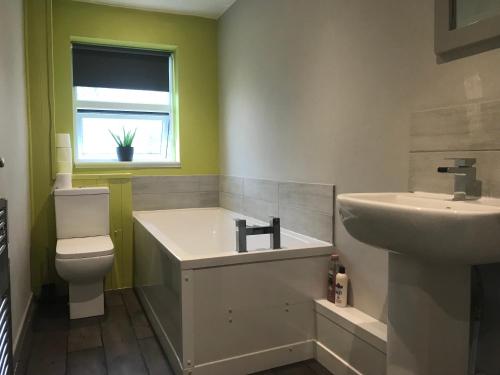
{"x": 84, "y": 251}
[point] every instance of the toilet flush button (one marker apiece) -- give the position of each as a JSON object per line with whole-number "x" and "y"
{"x": 2, "y": 162}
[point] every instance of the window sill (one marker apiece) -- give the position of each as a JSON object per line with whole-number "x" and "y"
{"x": 126, "y": 164}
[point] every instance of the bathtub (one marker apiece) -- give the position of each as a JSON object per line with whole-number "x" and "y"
{"x": 216, "y": 311}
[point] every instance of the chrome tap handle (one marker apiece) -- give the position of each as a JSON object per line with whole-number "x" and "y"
{"x": 466, "y": 184}
{"x": 242, "y": 231}
{"x": 241, "y": 235}
{"x": 275, "y": 239}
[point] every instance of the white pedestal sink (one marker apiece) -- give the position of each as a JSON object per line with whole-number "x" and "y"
{"x": 433, "y": 242}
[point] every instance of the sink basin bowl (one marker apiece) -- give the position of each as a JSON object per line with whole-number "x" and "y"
{"x": 429, "y": 226}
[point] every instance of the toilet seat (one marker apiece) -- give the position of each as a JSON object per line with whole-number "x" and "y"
{"x": 85, "y": 247}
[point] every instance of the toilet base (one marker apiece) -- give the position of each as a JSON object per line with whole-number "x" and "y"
{"x": 86, "y": 300}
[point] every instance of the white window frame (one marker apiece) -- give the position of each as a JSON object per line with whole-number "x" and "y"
{"x": 129, "y": 107}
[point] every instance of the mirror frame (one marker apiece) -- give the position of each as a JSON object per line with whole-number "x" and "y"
{"x": 475, "y": 38}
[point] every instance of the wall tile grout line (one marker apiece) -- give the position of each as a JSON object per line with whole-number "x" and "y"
{"x": 453, "y": 150}
{"x": 458, "y": 105}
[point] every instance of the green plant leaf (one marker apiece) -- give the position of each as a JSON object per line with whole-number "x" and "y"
{"x": 117, "y": 139}
{"x": 126, "y": 140}
{"x": 132, "y": 136}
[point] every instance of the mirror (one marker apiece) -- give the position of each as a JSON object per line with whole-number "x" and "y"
{"x": 469, "y": 12}
{"x": 465, "y": 27}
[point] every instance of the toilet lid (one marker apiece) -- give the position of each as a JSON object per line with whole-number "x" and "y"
{"x": 85, "y": 247}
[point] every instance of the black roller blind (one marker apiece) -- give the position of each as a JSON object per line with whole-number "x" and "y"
{"x": 120, "y": 68}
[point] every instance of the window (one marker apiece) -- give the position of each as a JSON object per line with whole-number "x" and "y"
{"x": 120, "y": 89}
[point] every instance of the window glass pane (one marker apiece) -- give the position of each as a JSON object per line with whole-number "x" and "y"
{"x": 96, "y": 142}
{"x": 98, "y": 94}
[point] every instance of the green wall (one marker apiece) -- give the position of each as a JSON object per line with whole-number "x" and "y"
{"x": 40, "y": 114}
{"x": 195, "y": 43}
{"x": 51, "y": 25}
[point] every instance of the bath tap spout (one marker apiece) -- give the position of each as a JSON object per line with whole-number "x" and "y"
{"x": 242, "y": 231}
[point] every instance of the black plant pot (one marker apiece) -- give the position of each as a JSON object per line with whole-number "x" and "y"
{"x": 125, "y": 153}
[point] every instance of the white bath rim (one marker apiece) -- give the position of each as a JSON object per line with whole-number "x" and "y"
{"x": 311, "y": 246}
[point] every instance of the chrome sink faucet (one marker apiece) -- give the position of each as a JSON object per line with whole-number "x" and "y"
{"x": 242, "y": 231}
{"x": 466, "y": 184}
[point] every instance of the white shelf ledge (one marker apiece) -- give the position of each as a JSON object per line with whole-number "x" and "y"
{"x": 355, "y": 321}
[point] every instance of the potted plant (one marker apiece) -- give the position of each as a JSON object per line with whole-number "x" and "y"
{"x": 124, "y": 151}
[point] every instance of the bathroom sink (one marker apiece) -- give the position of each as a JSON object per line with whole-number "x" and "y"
{"x": 428, "y": 226}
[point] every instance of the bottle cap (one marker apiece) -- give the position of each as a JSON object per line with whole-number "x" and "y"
{"x": 341, "y": 269}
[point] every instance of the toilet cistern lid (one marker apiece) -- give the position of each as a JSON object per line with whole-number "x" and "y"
{"x": 85, "y": 247}
{"x": 82, "y": 191}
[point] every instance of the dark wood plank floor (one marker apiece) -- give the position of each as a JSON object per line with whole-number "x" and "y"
{"x": 119, "y": 343}
{"x": 310, "y": 367}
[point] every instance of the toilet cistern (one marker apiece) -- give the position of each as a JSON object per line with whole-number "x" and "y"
{"x": 466, "y": 185}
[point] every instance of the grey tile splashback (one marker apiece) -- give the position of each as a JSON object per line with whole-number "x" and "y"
{"x": 311, "y": 223}
{"x": 424, "y": 176}
{"x": 259, "y": 209}
{"x": 303, "y": 208}
{"x": 265, "y": 190}
{"x": 470, "y": 130}
{"x": 164, "y": 184}
{"x": 232, "y": 202}
{"x": 474, "y": 126}
{"x": 167, "y": 192}
{"x": 230, "y": 184}
{"x": 313, "y": 197}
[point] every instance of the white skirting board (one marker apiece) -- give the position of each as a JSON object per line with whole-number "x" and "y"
{"x": 258, "y": 361}
{"x": 26, "y": 320}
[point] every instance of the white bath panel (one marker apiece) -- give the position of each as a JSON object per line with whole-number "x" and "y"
{"x": 236, "y": 313}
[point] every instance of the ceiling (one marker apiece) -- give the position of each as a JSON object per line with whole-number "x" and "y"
{"x": 203, "y": 8}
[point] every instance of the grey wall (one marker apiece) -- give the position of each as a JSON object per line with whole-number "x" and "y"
{"x": 325, "y": 91}
{"x": 320, "y": 91}
{"x": 457, "y": 114}
{"x": 469, "y": 80}
{"x": 14, "y": 178}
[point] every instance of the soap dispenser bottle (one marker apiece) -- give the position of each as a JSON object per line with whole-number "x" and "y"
{"x": 341, "y": 283}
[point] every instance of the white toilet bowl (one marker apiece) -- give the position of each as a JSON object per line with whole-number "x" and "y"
{"x": 83, "y": 263}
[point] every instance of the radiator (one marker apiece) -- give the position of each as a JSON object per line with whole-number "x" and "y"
{"x": 6, "y": 362}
